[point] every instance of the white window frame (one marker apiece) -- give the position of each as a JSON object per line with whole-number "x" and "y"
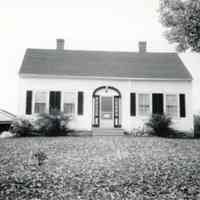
{"x": 177, "y": 104}
{"x": 72, "y": 115}
{"x": 34, "y": 100}
{"x": 138, "y": 104}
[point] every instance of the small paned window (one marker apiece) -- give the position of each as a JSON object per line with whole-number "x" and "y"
{"x": 69, "y": 103}
{"x": 144, "y": 104}
{"x": 171, "y": 105}
{"x": 40, "y": 102}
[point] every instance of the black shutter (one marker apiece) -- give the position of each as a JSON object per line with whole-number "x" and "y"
{"x": 51, "y": 101}
{"x": 157, "y": 103}
{"x": 182, "y": 105}
{"x": 54, "y": 101}
{"x": 29, "y": 102}
{"x": 80, "y": 103}
{"x": 57, "y": 100}
{"x": 132, "y": 104}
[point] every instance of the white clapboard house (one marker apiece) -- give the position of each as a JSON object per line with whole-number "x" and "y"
{"x": 106, "y": 89}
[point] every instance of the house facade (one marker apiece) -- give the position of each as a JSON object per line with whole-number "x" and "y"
{"x": 111, "y": 90}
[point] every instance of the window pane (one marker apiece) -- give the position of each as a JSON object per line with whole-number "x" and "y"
{"x": 40, "y": 102}
{"x": 144, "y": 104}
{"x": 69, "y": 103}
{"x": 171, "y": 105}
{"x": 116, "y": 107}
{"x": 40, "y": 107}
{"x": 96, "y": 106}
{"x": 171, "y": 100}
{"x": 40, "y": 97}
{"x": 69, "y": 97}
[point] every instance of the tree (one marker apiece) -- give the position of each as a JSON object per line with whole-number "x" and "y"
{"x": 182, "y": 20}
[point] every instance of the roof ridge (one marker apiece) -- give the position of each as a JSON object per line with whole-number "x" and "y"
{"x": 99, "y": 51}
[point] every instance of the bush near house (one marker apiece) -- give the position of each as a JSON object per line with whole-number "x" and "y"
{"x": 22, "y": 127}
{"x": 161, "y": 126}
{"x": 53, "y": 124}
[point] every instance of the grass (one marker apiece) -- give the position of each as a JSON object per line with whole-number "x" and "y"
{"x": 100, "y": 168}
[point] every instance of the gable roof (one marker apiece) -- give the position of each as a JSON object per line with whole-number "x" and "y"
{"x": 104, "y": 64}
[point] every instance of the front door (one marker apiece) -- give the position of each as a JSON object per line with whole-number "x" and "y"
{"x": 106, "y": 112}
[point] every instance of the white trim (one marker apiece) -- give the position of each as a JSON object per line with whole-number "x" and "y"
{"x": 100, "y": 77}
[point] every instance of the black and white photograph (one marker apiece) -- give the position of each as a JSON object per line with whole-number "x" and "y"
{"x": 100, "y": 100}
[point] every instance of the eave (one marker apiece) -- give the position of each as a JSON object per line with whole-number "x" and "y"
{"x": 28, "y": 75}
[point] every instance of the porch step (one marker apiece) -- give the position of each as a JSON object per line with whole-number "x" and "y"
{"x": 107, "y": 131}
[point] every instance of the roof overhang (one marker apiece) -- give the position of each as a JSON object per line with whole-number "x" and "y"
{"x": 5, "y": 122}
{"x": 28, "y": 75}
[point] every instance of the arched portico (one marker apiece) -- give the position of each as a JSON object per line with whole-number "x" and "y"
{"x": 106, "y": 107}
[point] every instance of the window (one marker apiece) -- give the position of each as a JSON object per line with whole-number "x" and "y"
{"x": 144, "y": 104}
{"x": 116, "y": 106}
{"x": 69, "y": 103}
{"x": 40, "y": 102}
{"x": 171, "y": 105}
{"x": 116, "y": 111}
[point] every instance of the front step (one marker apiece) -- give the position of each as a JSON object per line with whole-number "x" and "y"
{"x": 107, "y": 131}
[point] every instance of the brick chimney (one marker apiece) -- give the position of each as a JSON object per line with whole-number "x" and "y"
{"x": 60, "y": 44}
{"x": 142, "y": 46}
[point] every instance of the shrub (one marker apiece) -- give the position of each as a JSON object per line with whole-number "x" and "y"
{"x": 161, "y": 125}
{"x": 40, "y": 157}
{"x": 54, "y": 124}
{"x": 21, "y": 127}
{"x": 197, "y": 126}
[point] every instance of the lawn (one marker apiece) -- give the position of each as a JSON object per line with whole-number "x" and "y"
{"x": 100, "y": 168}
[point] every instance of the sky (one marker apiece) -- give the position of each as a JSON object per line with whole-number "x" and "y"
{"x": 115, "y": 25}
